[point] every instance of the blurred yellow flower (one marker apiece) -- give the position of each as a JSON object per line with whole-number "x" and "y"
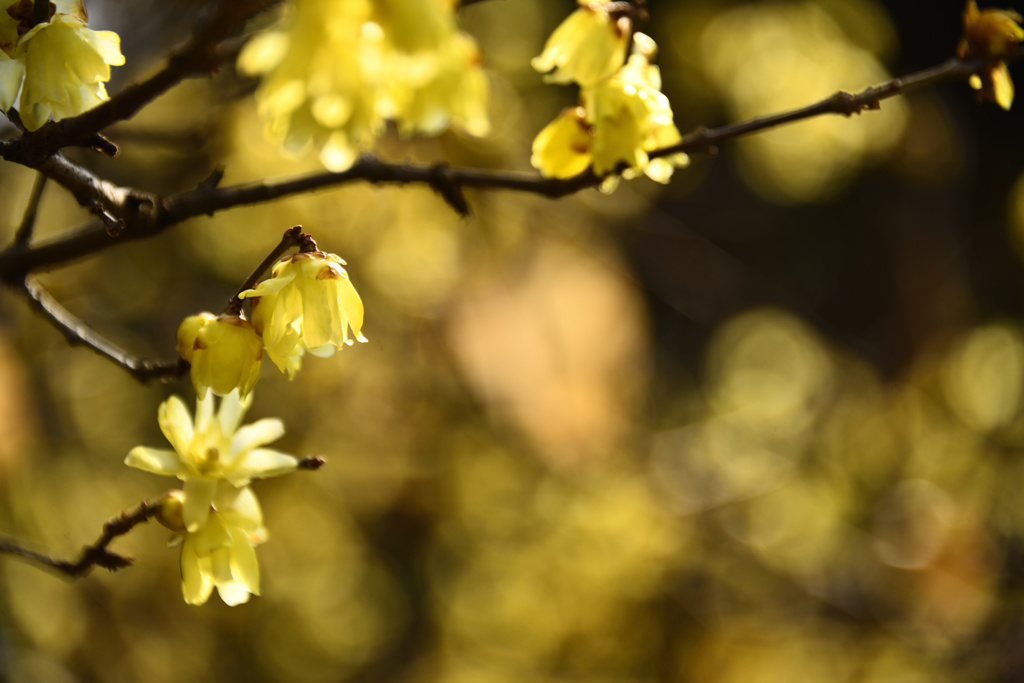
{"x": 221, "y": 553}
{"x": 590, "y": 45}
{"x": 225, "y": 353}
{"x": 991, "y": 34}
{"x": 63, "y": 64}
{"x": 212, "y": 450}
{"x": 337, "y": 71}
{"x": 308, "y": 304}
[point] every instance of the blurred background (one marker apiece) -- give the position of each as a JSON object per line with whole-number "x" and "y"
{"x": 763, "y": 424}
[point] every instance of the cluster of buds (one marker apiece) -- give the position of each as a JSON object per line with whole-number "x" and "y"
{"x": 622, "y": 115}
{"x": 59, "y": 66}
{"x": 335, "y": 72}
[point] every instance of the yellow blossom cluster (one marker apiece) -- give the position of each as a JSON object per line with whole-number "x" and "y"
{"x": 308, "y": 304}
{"x": 216, "y": 515}
{"x": 336, "y": 71}
{"x": 991, "y": 34}
{"x": 622, "y": 115}
{"x": 58, "y": 66}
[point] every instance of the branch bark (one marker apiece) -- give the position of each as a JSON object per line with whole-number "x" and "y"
{"x": 96, "y": 555}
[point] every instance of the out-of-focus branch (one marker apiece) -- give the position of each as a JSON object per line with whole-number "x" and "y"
{"x": 78, "y": 333}
{"x": 28, "y": 220}
{"x": 97, "y": 554}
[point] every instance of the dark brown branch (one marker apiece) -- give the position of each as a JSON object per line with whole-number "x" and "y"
{"x": 143, "y": 215}
{"x": 290, "y": 239}
{"x": 96, "y": 555}
{"x": 78, "y": 333}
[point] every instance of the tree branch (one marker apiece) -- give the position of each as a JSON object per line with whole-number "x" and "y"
{"x": 97, "y": 554}
{"x": 78, "y": 333}
{"x": 136, "y": 214}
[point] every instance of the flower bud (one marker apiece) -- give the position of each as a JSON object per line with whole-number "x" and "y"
{"x": 170, "y": 513}
{"x": 226, "y": 355}
{"x": 188, "y": 330}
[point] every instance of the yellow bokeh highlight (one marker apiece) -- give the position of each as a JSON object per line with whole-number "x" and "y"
{"x": 794, "y": 53}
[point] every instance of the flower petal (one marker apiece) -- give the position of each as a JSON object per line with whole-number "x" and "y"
{"x": 262, "y": 463}
{"x": 156, "y": 460}
{"x": 176, "y": 423}
{"x": 199, "y": 494}
{"x": 258, "y": 433}
{"x": 244, "y": 567}
{"x": 196, "y": 575}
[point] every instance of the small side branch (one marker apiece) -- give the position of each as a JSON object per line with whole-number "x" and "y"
{"x": 78, "y": 333}
{"x": 96, "y": 555}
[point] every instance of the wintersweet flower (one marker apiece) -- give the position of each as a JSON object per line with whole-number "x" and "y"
{"x": 621, "y": 120}
{"x": 225, "y": 353}
{"x": 563, "y": 149}
{"x": 63, "y": 65}
{"x": 308, "y": 304}
{"x": 336, "y": 71}
{"x": 221, "y": 553}
{"x": 212, "y": 450}
{"x": 991, "y": 34}
{"x": 588, "y": 46}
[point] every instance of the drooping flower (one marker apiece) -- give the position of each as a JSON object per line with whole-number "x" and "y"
{"x": 211, "y": 450}
{"x": 221, "y": 553}
{"x": 626, "y": 116}
{"x": 308, "y": 304}
{"x": 991, "y": 34}
{"x": 564, "y": 148}
{"x": 225, "y": 353}
{"x": 63, "y": 65}
{"x": 590, "y": 45}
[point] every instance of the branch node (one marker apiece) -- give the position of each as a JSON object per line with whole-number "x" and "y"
{"x": 445, "y": 184}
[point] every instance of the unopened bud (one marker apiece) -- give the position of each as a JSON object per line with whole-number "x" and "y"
{"x": 171, "y": 510}
{"x": 189, "y": 330}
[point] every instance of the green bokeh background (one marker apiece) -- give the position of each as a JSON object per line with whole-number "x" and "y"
{"x": 762, "y": 424}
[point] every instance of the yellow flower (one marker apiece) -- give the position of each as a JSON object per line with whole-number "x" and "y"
{"x": 308, "y": 304}
{"x": 588, "y": 46}
{"x": 990, "y": 34}
{"x": 211, "y": 450}
{"x": 563, "y": 148}
{"x": 626, "y": 116}
{"x": 337, "y": 70}
{"x": 221, "y": 553}
{"x": 225, "y": 353}
{"x": 64, "y": 65}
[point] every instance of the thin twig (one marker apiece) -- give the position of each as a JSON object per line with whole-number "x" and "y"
{"x": 289, "y": 240}
{"x": 77, "y": 332}
{"x": 28, "y": 221}
{"x": 97, "y": 554}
